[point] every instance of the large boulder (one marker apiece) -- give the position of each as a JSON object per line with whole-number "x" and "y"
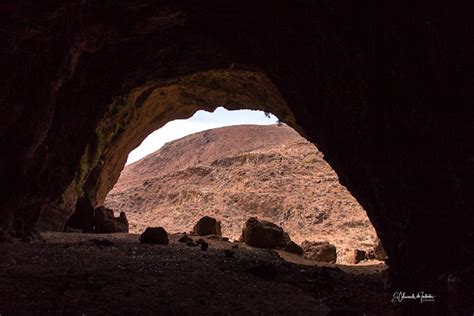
{"x": 106, "y": 222}
{"x": 264, "y": 234}
{"x": 379, "y": 252}
{"x": 154, "y": 235}
{"x": 319, "y": 251}
{"x": 207, "y": 226}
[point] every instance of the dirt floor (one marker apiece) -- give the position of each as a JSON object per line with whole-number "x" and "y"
{"x": 81, "y": 274}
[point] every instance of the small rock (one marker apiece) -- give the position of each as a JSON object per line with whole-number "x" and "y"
{"x": 235, "y": 246}
{"x": 225, "y": 238}
{"x": 154, "y": 235}
{"x": 207, "y": 226}
{"x": 204, "y": 246}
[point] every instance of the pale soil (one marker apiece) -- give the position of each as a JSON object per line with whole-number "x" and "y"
{"x": 70, "y": 274}
{"x": 236, "y": 172}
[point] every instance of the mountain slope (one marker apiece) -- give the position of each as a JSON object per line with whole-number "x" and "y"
{"x": 236, "y": 172}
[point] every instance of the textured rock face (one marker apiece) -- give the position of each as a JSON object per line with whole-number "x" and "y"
{"x": 83, "y": 83}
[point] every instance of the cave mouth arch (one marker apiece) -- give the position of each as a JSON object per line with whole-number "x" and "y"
{"x": 130, "y": 119}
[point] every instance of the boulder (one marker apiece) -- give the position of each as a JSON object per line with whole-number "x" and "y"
{"x": 207, "y": 226}
{"x": 379, "y": 252}
{"x": 154, "y": 235}
{"x": 105, "y": 221}
{"x": 358, "y": 256}
{"x": 264, "y": 234}
{"x": 319, "y": 251}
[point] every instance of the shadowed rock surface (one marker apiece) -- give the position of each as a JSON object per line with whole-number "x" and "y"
{"x": 385, "y": 92}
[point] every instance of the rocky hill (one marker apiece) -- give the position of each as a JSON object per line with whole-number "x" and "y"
{"x": 235, "y": 172}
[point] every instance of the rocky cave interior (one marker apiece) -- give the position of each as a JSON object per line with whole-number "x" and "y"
{"x": 85, "y": 83}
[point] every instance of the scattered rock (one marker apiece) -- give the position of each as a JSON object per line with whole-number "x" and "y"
{"x": 207, "y": 226}
{"x": 204, "y": 246}
{"x": 319, "y": 251}
{"x": 379, "y": 252}
{"x": 154, "y": 235}
{"x": 263, "y": 234}
{"x": 294, "y": 248}
{"x": 229, "y": 253}
{"x": 184, "y": 239}
{"x": 105, "y": 221}
{"x": 358, "y": 256}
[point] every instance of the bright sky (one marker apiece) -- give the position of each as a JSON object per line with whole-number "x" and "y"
{"x": 200, "y": 121}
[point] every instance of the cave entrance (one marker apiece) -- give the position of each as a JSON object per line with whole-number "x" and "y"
{"x": 233, "y": 165}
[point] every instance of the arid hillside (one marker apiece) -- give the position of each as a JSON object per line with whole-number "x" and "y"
{"x": 235, "y": 172}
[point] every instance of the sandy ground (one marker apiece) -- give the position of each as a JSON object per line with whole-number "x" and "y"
{"x": 80, "y": 274}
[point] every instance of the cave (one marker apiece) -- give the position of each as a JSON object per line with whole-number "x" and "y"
{"x": 381, "y": 91}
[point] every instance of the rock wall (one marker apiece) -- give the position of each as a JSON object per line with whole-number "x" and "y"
{"x": 383, "y": 92}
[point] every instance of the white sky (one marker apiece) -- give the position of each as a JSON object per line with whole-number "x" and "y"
{"x": 200, "y": 121}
